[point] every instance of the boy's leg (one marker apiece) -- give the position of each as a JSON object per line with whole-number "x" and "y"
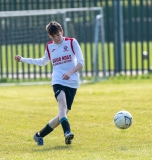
{"x": 38, "y": 137}
{"x": 63, "y": 101}
{"x": 63, "y": 117}
{"x": 67, "y": 132}
{"x": 63, "y": 111}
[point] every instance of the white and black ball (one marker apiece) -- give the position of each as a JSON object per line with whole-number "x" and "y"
{"x": 123, "y": 119}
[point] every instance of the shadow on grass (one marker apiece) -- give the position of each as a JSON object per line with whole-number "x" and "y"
{"x": 45, "y": 149}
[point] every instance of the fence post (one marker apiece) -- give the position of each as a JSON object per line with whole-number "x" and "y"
{"x": 1, "y": 54}
{"x": 103, "y": 43}
{"x": 118, "y": 36}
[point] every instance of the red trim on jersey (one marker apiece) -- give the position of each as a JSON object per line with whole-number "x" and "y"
{"x": 48, "y": 49}
{"x": 71, "y": 40}
{"x": 66, "y": 39}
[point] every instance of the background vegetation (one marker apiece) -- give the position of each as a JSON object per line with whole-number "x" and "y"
{"x": 131, "y": 60}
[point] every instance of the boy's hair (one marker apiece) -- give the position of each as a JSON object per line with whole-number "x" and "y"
{"x": 53, "y": 28}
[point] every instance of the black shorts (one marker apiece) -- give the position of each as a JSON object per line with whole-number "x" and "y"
{"x": 69, "y": 93}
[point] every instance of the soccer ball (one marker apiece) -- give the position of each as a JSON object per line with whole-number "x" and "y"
{"x": 123, "y": 119}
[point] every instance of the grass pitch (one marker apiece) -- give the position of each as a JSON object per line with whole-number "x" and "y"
{"x": 26, "y": 109}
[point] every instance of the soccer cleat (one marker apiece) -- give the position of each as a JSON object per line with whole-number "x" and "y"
{"x": 68, "y": 137}
{"x": 39, "y": 140}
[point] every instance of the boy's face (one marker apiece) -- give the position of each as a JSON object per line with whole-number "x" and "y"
{"x": 57, "y": 38}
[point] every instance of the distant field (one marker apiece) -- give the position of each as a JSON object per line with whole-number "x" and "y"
{"x": 131, "y": 59}
{"x": 26, "y": 109}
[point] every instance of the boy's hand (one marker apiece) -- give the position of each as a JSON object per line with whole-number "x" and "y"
{"x": 17, "y": 58}
{"x": 66, "y": 75}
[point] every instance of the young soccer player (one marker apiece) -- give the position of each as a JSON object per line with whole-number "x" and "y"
{"x": 66, "y": 57}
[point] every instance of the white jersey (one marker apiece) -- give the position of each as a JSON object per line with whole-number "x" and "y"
{"x": 63, "y": 57}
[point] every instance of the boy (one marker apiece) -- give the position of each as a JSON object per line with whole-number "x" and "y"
{"x": 66, "y": 57}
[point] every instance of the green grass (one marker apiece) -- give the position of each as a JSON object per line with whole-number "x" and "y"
{"x": 26, "y": 109}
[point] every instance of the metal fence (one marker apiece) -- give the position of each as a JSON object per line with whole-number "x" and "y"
{"x": 128, "y": 40}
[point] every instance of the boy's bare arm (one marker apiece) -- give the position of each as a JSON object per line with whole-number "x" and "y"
{"x": 68, "y": 74}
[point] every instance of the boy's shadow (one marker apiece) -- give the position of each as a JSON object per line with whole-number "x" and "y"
{"x": 44, "y": 149}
